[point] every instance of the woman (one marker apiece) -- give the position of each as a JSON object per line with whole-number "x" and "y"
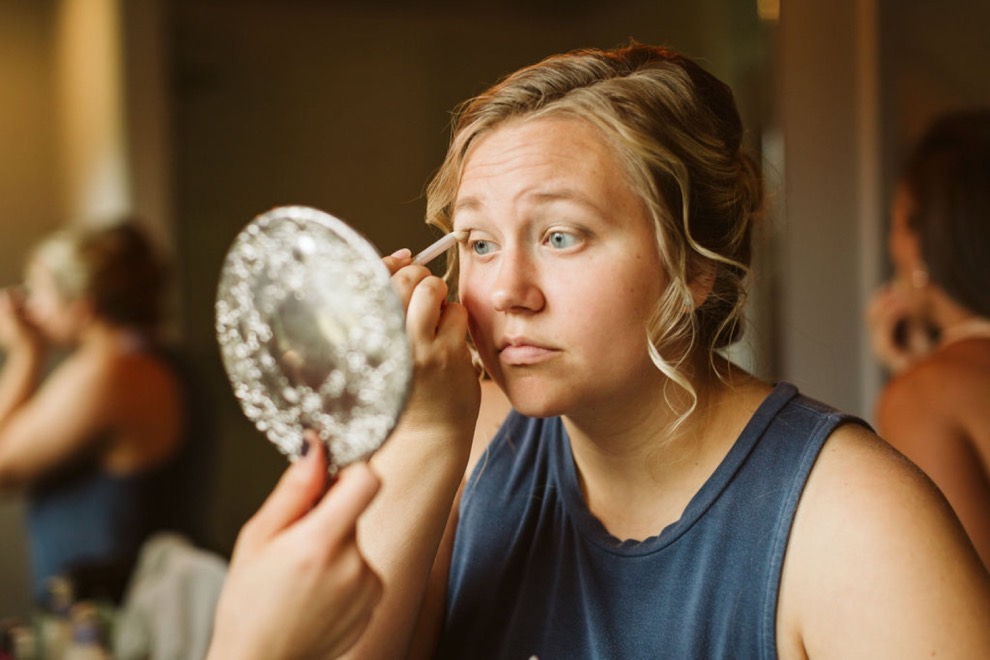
{"x": 85, "y": 442}
{"x": 931, "y": 328}
{"x": 644, "y": 497}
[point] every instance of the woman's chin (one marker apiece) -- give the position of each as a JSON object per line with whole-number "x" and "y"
{"x": 532, "y": 403}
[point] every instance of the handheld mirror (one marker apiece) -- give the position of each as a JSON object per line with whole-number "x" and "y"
{"x": 312, "y": 335}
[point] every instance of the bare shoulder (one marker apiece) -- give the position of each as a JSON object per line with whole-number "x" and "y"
{"x": 958, "y": 373}
{"x": 942, "y": 399}
{"x": 878, "y": 565}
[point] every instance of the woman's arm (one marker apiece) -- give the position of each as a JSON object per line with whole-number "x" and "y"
{"x": 494, "y": 407}
{"x": 43, "y": 427}
{"x": 55, "y": 423}
{"x": 422, "y": 463}
{"x": 23, "y": 355}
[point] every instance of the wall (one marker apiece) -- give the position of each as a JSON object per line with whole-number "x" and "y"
{"x": 827, "y": 239}
{"x": 29, "y": 205}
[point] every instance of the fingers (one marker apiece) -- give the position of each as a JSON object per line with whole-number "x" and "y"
{"x": 337, "y": 513}
{"x": 299, "y": 487}
{"x": 397, "y": 260}
{"x": 406, "y": 279}
{"x": 425, "y": 307}
{"x": 454, "y": 320}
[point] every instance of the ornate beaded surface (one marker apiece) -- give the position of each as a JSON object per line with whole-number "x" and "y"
{"x": 312, "y": 334}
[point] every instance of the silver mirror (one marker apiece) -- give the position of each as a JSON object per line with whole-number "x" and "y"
{"x": 312, "y": 334}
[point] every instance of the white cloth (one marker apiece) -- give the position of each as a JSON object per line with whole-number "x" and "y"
{"x": 167, "y": 613}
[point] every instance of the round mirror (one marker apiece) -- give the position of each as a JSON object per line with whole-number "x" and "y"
{"x": 312, "y": 334}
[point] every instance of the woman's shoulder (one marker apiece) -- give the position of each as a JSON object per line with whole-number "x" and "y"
{"x": 145, "y": 363}
{"x": 956, "y": 367}
{"x": 874, "y": 533}
{"x": 943, "y": 395}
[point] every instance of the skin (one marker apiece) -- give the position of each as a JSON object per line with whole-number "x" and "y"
{"x": 105, "y": 400}
{"x": 300, "y": 552}
{"x": 877, "y": 565}
{"x": 422, "y": 464}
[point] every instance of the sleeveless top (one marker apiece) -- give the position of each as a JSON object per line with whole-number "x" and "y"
{"x": 90, "y": 524}
{"x": 85, "y": 518}
{"x": 535, "y": 574}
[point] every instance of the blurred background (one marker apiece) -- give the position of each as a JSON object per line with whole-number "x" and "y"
{"x": 197, "y": 115}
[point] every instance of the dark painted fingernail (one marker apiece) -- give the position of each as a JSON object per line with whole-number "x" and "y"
{"x": 305, "y": 448}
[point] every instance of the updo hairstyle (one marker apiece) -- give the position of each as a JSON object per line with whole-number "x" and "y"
{"x": 116, "y": 267}
{"x": 677, "y": 131}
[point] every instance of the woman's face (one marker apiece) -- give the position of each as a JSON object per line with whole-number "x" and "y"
{"x": 560, "y": 273}
{"x": 58, "y": 319}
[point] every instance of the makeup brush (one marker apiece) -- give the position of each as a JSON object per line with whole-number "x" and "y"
{"x": 439, "y": 247}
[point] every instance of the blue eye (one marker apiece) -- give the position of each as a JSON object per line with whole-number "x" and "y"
{"x": 482, "y": 247}
{"x": 561, "y": 240}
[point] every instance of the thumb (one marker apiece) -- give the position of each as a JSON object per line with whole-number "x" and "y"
{"x": 336, "y": 515}
{"x": 297, "y": 490}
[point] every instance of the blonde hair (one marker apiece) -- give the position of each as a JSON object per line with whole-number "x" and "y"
{"x": 115, "y": 267}
{"x": 677, "y": 131}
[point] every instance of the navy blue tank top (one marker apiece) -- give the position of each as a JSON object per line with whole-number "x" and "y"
{"x": 534, "y": 573}
{"x": 85, "y": 518}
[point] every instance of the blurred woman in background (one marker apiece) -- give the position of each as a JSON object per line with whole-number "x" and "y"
{"x": 86, "y": 442}
{"x": 931, "y": 326}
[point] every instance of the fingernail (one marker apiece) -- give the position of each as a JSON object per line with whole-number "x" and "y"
{"x": 403, "y": 253}
{"x": 305, "y": 448}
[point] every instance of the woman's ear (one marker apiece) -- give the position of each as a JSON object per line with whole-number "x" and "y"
{"x": 702, "y": 282}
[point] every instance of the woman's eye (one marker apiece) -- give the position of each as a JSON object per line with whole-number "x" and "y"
{"x": 561, "y": 239}
{"x": 481, "y": 246}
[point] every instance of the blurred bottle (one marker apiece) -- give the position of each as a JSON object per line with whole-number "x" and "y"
{"x": 87, "y": 634}
{"x": 24, "y": 643}
{"x": 18, "y": 641}
{"x": 56, "y": 628}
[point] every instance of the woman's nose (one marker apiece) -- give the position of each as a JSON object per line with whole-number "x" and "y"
{"x": 517, "y": 284}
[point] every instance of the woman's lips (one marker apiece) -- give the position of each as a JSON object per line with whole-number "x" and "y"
{"x": 522, "y": 353}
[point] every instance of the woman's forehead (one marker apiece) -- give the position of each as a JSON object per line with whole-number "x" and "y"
{"x": 557, "y": 152}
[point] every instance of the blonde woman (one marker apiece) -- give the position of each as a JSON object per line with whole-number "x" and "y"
{"x": 85, "y": 442}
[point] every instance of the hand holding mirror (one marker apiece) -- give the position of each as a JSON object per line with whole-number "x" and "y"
{"x": 312, "y": 334}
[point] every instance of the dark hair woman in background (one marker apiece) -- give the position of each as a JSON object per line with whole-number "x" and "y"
{"x": 931, "y": 326}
